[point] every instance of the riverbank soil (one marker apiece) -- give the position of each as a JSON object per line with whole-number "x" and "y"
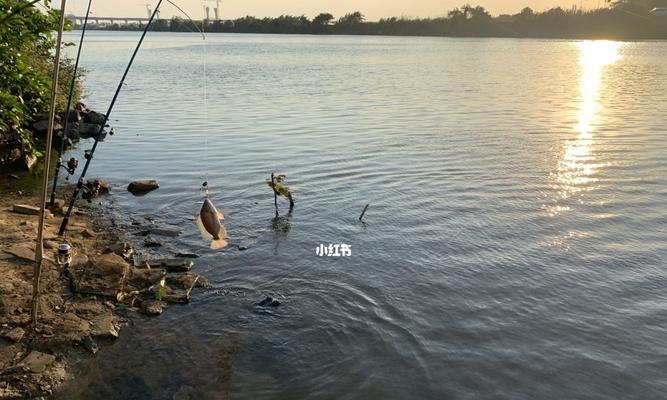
{"x": 80, "y": 302}
{"x": 34, "y": 358}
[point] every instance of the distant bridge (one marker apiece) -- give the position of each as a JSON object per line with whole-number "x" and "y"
{"x": 78, "y": 21}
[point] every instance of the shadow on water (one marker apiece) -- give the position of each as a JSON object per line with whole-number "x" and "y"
{"x": 280, "y": 226}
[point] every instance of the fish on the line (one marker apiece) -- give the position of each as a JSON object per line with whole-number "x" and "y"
{"x": 210, "y": 227}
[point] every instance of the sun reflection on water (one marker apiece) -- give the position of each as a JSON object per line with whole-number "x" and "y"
{"x": 578, "y": 167}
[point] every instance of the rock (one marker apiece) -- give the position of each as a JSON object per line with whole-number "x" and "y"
{"x": 81, "y": 107}
{"x": 25, "y": 209}
{"x": 74, "y": 115}
{"x": 30, "y": 210}
{"x": 165, "y": 232}
{"x": 150, "y": 242}
{"x": 171, "y": 264}
{"x": 104, "y": 326}
{"x": 187, "y": 255}
{"x": 51, "y": 244}
{"x": 123, "y": 249}
{"x": 15, "y": 335}
{"x": 152, "y": 307}
{"x": 90, "y": 345}
{"x": 72, "y": 132}
{"x": 57, "y": 204}
{"x": 43, "y": 125}
{"x": 95, "y": 187}
{"x": 101, "y": 275}
{"x": 29, "y": 162}
{"x": 8, "y": 355}
{"x": 87, "y": 130}
{"x": 86, "y": 234}
{"x": 142, "y": 187}
{"x": 93, "y": 117}
{"x": 21, "y": 251}
{"x": 183, "y": 281}
{"x": 147, "y": 277}
{"x": 269, "y": 302}
{"x": 37, "y": 362}
{"x": 111, "y": 264}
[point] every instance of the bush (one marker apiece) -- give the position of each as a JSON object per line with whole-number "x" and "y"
{"x": 26, "y": 62}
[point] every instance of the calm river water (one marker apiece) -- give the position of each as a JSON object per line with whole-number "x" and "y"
{"x": 515, "y": 246}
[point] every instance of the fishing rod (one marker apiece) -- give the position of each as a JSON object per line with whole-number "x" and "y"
{"x": 39, "y": 246}
{"x": 72, "y": 164}
{"x": 89, "y": 153}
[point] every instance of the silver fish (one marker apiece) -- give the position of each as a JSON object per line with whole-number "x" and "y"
{"x": 210, "y": 227}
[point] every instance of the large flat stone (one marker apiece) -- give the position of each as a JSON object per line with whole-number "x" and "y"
{"x": 21, "y": 251}
{"x": 38, "y": 362}
{"x": 104, "y": 326}
{"x": 25, "y": 209}
{"x": 101, "y": 275}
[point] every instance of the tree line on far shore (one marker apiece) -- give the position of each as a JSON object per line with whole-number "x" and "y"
{"x": 623, "y": 19}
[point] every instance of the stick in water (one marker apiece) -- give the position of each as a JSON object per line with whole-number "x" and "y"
{"x": 363, "y": 212}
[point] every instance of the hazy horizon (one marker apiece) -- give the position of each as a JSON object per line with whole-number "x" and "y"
{"x": 372, "y": 9}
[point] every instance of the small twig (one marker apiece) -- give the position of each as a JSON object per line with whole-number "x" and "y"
{"x": 275, "y": 194}
{"x": 363, "y": 212}
{"x": 187, "y": 293}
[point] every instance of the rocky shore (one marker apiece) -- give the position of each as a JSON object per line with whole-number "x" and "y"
{"x": 17, "y": 146}
{"x": 83, "y": 305}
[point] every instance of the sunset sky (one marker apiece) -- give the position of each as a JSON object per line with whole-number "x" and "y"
{"x": 373, "y": 9}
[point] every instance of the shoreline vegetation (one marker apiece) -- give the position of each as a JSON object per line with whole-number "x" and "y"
{"x": 620, "y": 20}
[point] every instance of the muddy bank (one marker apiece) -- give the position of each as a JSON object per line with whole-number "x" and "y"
{"x": 83, "y": 304}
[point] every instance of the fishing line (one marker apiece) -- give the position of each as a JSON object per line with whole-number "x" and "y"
{"x": 189, "y": 18}
{"x": 205, "y": 87}
{"x": 63, "y": 139}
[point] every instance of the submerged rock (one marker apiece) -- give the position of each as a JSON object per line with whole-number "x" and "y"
{"x": 104, "y": 326}
{"x": 152, "y": 308}
{"x": 187, "y": 255}
{"x": 171, "y": 264}
{"x": 269, "y": 302}
{"x": 150, "y": 242}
